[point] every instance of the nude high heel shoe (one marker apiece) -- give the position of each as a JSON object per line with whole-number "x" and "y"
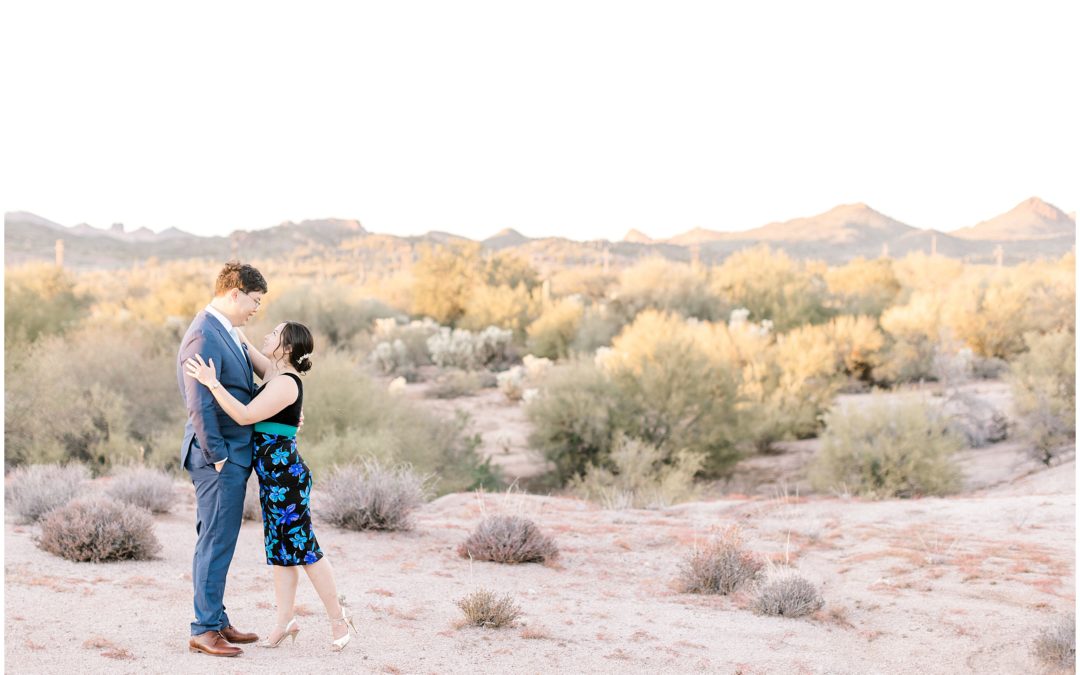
{"x": 346, "y": 618}
{"x": 291, "y": 629}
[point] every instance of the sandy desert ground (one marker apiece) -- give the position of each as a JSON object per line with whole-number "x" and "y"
{"x": 939, "y": 585}
{"x": 922, "y": 586}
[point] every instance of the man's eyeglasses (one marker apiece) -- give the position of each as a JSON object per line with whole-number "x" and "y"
{"x": 258, "y": 301}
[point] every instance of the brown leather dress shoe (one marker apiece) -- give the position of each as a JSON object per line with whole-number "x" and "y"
{"x": 236, "y": 637}
{"x": 213, "y": 643}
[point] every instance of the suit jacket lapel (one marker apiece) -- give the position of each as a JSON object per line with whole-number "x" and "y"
{"x": 232, "y": 345}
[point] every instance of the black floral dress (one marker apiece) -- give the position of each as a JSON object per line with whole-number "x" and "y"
{"x": 285, "y": 488}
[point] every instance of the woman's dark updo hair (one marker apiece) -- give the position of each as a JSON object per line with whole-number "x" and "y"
{"x": 296, "y": 339}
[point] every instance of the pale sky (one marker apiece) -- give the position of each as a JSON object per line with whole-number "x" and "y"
{"x": 576, "y": 119}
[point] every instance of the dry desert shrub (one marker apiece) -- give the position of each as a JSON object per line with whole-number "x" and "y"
{"x": 772, "y": 285}
{"x": 483, "y": 608}
{"x": 888, "y": 450}
{"x": 508, "y": 539}
{"x": 659, "y": 284}
{"x": 36, "y": 489}
{"x": 1044, "y": 392}
{"x": 139, "y": 486}
{"x": 721, "y": 567}
{"x": 99, "y": 529}
{"x": 371, "y": 496}
{"x": 457, "y": 383}
{"x": 639, "y": 477}
{"x": 348, "y": 415}
{"x": 787, "y": 593}
{"x": 1056, "y": 646}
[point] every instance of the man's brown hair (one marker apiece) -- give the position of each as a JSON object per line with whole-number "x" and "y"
{"x": 239, "y": 275}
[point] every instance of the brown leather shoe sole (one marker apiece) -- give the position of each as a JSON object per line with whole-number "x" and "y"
{"x": 198, "y": 649}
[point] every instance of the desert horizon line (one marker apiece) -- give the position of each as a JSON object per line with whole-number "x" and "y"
{"x": 636, "y": 232}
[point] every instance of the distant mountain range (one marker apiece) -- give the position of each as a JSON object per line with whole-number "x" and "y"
{"x": 1032, "y": 229}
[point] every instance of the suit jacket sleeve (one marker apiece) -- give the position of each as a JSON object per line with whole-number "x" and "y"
{"x": 200, "y": 402}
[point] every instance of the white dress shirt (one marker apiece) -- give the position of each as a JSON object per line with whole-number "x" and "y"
{"x": 228, "y": 326}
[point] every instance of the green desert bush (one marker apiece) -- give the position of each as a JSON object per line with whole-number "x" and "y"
{"x": 638, "y": 477}
{"x": 1044, "y": 392}
{"x": 914, "y": 331}
{"x": 598, "y": 327}
{"x": 859, "y": 345}
{"x": 372, "y": 496}
{"x": 153, "y": 292}
{"x": 328, "y": 308}
{"x": 109, "y": 392}
{"x": 552, "y": 335}
{"x": 445, "y": 278}
{"x": 787, "y": 593}
{"x": 349, "y": 416}
{"x": 591, "y": 283}
{"x": 666, "y": 286}
{"x": 148, "y": 488}
{"x": 98, "y": 529}
{"x": 1056, "y": 646}
{"x": 508, "y": 539}
{"x": 40, "y": 300}
{"x": 670, "y": 392}
{"x": 34, "y": 490}
{"x": 721, "y": 567}
{"x": 903, "y": 449}
{"x": 484, "y": 609}
{"x": 509, "y": 307}
{"x": 772, "y": 286}
{"x": 863, "y": 287}
{"x": 573, "y": 418}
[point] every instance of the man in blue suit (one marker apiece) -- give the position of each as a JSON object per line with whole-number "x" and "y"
{"x": 216, "y": 451}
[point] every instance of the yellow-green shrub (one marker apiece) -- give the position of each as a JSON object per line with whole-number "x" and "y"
{"x": 40, "y": 300}
{"x": 1044, "y": 392}
{"x": 348, "y": 416}
{"x": 772, "y": 286}
{"x": 552, "y": 334}
{"x": 659, "y": 284}
{"x": 863, "y": 286}
{"x": 640, "y": 476}
{"x": 108, "y": 393}
{"x": 900, "y": 449}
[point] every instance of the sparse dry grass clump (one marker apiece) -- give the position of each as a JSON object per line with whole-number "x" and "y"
{"x": 99, "y": 529}
{"x": 34, "y": 490}
{"x": 484, "y": 609}
{"x": 787, "y": 593}
{"x": 508, "y": 539}
{"x": 721, "y": 567}
{"x": 1056, "y": 646}
{"x": 139, "y": 486}
{"x": 371, "y": 496}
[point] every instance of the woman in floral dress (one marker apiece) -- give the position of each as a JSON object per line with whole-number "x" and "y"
{"x": 284, "y": 478}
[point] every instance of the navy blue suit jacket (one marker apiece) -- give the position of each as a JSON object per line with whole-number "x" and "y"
{"x": 210, "y": 434}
